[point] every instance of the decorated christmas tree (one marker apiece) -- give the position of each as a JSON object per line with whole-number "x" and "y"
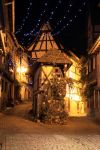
{"x": 52, "y": 109}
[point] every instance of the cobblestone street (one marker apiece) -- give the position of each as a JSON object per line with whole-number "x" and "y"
{"x": 19, "y": 133}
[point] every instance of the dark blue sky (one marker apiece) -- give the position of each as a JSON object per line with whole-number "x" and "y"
{"x": 68, "y": 20}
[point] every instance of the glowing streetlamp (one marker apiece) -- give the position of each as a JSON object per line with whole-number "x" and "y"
{"x": 22, "y": 69}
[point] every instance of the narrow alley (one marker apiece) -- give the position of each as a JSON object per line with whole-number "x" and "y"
{"x": 18, "y": 132}
{"x": 50, "y": 75}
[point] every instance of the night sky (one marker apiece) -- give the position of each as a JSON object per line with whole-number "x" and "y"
{"x": 68, "y": 19}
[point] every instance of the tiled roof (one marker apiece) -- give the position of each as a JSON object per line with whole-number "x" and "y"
{"x": 55, "y": 57}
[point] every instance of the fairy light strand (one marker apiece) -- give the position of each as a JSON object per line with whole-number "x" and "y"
{"x": 26, "y": 17}
{"x": 67, "y": 22}
{"x": 34, "y": 30}
{"x": 70, "y": 21}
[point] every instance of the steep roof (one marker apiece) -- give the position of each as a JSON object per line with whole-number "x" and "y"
{"x": 46, "y": 50}
{"x": 44, "y": 42}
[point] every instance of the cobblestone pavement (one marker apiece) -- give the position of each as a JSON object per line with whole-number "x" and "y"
{"x": 19, "y": 133}
{"x": 50, "y": 142}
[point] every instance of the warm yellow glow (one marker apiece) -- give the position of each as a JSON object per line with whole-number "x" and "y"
{"x": 74, "y": 97}
{"x": 22, "y": 70}
{"x": 72, "y": 75}
{"x": 47, "y": 71}
{"x": 73, "y": 93}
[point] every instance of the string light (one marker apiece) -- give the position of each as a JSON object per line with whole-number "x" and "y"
{"x": 66, "y": 15}
{"x": 31, "y": 33}
{"x": 38, "y": 22}
{"x": 26, "y": 17}
{"x": 28, "y": 36}
{"x": 53, "y": 12}
{"x": 34, "y": 30}
{"x": 70, "y": 5}
{"x": 68, "y": 8}
{"x": 70, "y": 21}
{"x": 67, "y": 20}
